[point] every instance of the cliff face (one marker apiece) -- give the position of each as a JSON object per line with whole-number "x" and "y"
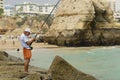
{"x": 16, "y": 25}
{"x": 8, "y": 22}
{"x": 83, "y": 23}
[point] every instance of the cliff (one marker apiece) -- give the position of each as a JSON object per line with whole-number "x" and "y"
{"x": 16, "y": 25}
{"x": 83, "y": 23}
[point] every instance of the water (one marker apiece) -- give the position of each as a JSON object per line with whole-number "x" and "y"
{"x": 102, "y": 62}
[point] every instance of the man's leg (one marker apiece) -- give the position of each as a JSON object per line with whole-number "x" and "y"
{"x": 27, "y": 56}
{"x": 26, "y": 65}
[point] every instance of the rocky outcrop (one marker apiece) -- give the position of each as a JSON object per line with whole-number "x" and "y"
{"x": 62, "y": 70}
{"x": 5, "y": 57}
{"x": 83, "y": 23}
{"x": 11, "y": 68}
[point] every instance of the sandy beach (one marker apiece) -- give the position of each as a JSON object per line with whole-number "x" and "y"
{"x": 15, "y": 44}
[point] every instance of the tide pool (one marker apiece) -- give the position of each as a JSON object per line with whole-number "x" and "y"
{"x": 101, "y": 62}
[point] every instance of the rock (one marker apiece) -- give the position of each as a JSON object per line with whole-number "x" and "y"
{"x": 9, "y": 79}
{"x": 59, "y": 70}
{"x": 83, "y": 23}
{"x": 5, "y": 57}
{"x": 33, "y": 77}
{"x": 12, "y": 68}
{"x": 103, "y": 14}
{"x": 62, "y": 70}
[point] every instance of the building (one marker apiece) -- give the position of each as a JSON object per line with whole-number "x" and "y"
{"x": 116, "y": 13}
{"x": 9, "y": 10}
{"x": 113, "y": 6}
{"x": 117, "y": 16}
{"x": 2, "y": 4}
{"x": 46, "y": 9}
{"x": 33, "y": 8}
{"x": 27, "y": 8}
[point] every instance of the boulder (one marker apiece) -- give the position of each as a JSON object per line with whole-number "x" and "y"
{"x": 62, "y": 70}
{"x": 5, "y": 57}
{"x": 83, "y": 23}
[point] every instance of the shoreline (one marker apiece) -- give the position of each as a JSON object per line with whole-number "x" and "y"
{"x": 10, "y": 46}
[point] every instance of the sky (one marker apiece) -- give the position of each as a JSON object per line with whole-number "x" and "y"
{"x": 13, "y": 2}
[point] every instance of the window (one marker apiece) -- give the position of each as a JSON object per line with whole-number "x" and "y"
{"x": 117, "y": 14}
{"x": 40, "y": 9}
{"x": 46, "y": 9}
{"x": 31, "y": 8}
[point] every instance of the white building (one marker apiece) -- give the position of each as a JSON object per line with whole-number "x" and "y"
{"x": 2, "y": 4}
{"x": 46, "y": 9}
{"x": 33, "y": 8}
{"x": 9, "y": 10}
{"x": 117, "y": 15}
{"x": 112, "y": 4}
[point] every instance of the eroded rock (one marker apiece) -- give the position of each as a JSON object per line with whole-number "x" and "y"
{"x": 5, "y": 57}
{"x": 83, "y": 23}
{"x": 62, "y": 70}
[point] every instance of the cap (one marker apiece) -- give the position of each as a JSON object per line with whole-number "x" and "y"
{"x": 27, "y": 30}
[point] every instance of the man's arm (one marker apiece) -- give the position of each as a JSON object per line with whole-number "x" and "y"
{"x": 30, "y": 41}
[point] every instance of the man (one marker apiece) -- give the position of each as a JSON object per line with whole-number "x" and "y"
{"x": 26, "y": 44}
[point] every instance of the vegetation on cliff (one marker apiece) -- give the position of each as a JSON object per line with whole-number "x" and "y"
{"x": 1, "y": 11}
{"x": 12, "y": 24}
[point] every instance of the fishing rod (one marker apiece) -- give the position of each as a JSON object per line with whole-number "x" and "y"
{"x": 48, "y": 16}
{"x": 44, "y": 22}
{"x": 50, "y": 13}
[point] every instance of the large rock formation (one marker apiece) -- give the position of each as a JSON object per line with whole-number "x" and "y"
{"x": 61, "y": 70}
{"x": 83, "y": 23}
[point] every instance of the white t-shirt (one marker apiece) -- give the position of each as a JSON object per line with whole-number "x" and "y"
{"x": 23, "y": 40}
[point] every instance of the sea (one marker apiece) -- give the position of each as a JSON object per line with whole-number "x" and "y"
{"x": 101, "y": 62}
